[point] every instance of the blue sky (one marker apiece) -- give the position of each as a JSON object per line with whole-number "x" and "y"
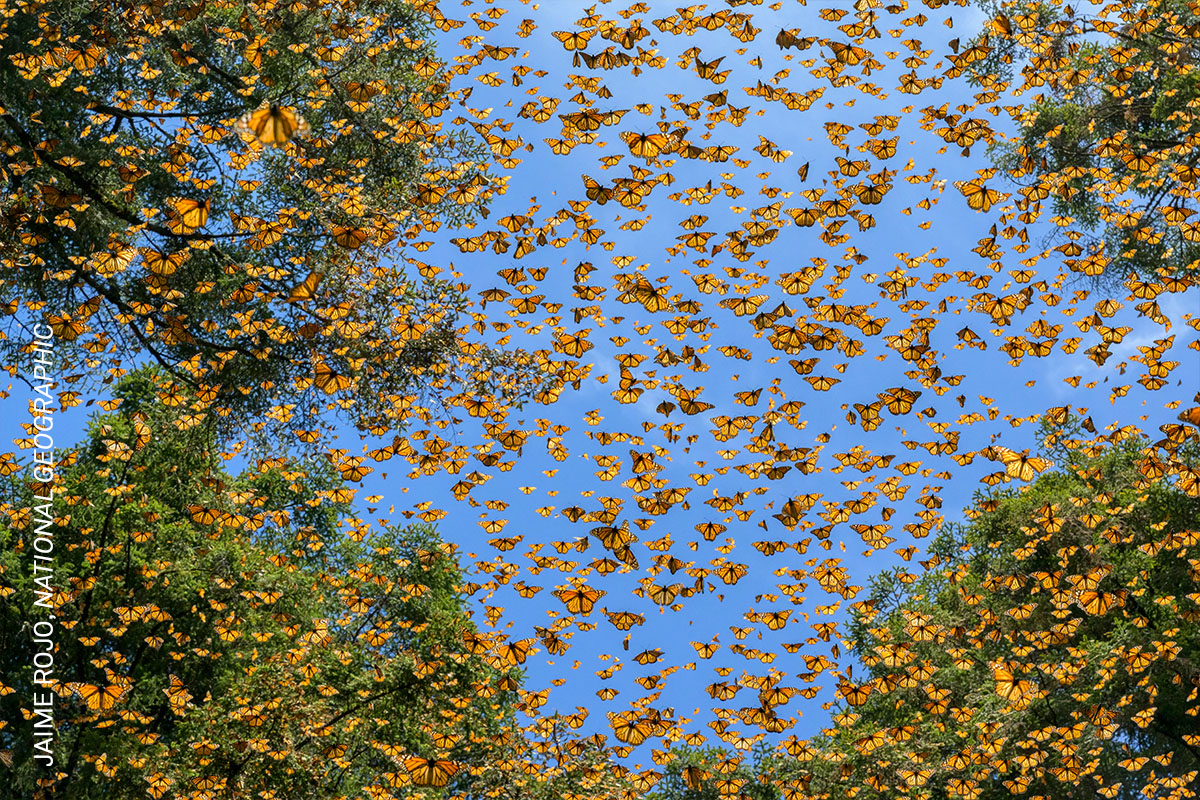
{"x": 538, "y": 485}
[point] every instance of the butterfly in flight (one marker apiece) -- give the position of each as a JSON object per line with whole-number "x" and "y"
{"x": 273, "y": 124}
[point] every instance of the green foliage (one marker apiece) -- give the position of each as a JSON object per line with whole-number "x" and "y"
{"x": 116, "y": 115}
{"x": 1102, "y": 679}
{"x": 582, "y": 770}
{"x": 1118, "y": 111}
{"x": 268, "y": 650}
{"x": 708, "y": 774}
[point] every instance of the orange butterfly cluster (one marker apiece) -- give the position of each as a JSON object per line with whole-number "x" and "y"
{"x": 655, "y": 290}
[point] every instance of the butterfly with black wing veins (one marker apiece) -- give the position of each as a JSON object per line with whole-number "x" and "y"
{"x": 272, "y": 124}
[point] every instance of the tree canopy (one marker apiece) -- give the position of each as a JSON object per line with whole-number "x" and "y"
{"x": 691, "y": 327}
{"x": 1113, "y": 105}
{"x": 1050, "y": 647}
{"x": 151, "y": 214}
{"x": 226, "y": 634}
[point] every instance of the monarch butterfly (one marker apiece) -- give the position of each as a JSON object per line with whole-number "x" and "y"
{"x": 1022, "y": 466}
{"x": 694, "y": 777}
{"x": 560, "y": 146}
{"x": 573, "y": 40}
{"x": 573, "y": 345}
{"x": 612, "y": 537}
{"x": 652, "y": 299}
{"x": 719, "y": 153}
{"x": 632, "y": 732}
{"x": 159, "y": 784}
{"x": 1007, "y": 685}
{"x": 664, "y": 595}
{"x": 100, "y": 698}
{"x": 775, "y": 620}
{"x": 445, "y": 740}
{"x": 1191, "y": 415}
{"x": 649, "y": 656}
{"x": 505, "y": 543}
{"x": 87, "y": 59}
{"x": 854, "y": 695}
{"x": 66, "y": 328}
{"x": 189, "y": 215}
{"x": 979, "y": 197}
{"x": 272, "y": 124}
{"x": 836, "y": 208}
{"x": 884, "y": 148}
{"x": 161, "y": 263}
{"x": 900, "y": 400}
{"x": 1139, "y": 161}
{"x": 708, "y": 70}
{"x": 350, "y": 238}
{"x": 624, "y": 620}
{"x": 328, "y": 381}
{"x": 580, "y": 600}
{"x": 110, "y": 262}
{"x": 871, "y": 194}
{"x": 354, "y": 470}
{"x": 177, "y": 695}
{"x": 1098, "y": 603}
{"x": 847, "y": 53}
{"x": 731, "y": 573}
{"x": 742, "y": 306}
{"x": 361, "y": 94}
{"x": 851, "y": 168}
{"x": 515, "y": 652}
{"x": 202, "y": 515}
{"x": 428, "y": 772}
{"x": 822, "y": 383}
{"x": 645, "y": 145}
{"x": 306, "y": 288}
{"x": 595, "y": 191}
{"x": 554, "y": 644}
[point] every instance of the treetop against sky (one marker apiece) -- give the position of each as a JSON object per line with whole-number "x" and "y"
{"x": 680, "y": 323}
